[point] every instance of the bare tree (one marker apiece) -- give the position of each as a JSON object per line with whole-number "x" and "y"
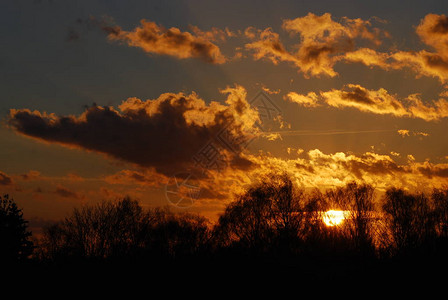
{"x": 410, "y": 219}
{"x": 106, "y": 229}
{"x": 268, "y": 216}
{"x": 357, "y": 201}
{"x": 177, "y": 235}
{"x": 440, "y": 201}
{"x": 123, "y": 230}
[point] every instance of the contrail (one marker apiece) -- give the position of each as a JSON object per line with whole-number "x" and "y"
{"x": 328, "y": 132}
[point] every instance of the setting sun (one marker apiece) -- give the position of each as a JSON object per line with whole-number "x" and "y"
{"x": 334, "y": 217}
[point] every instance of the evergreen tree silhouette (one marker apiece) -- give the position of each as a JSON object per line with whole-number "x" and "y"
{"x": 14, "y": 235}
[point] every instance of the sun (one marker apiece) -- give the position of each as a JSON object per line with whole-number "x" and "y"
{"x": 334, "y": 217}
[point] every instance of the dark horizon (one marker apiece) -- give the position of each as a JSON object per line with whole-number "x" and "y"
{"x": 274, "y": 226}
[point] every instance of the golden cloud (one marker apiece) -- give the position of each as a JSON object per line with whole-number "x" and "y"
{"x": 403, "y": 132}
{"x": 432, "y": 30}
{"x": 323, "y": 42}
{"x": 309, "y": 100}
{"x": 316, "y": 169}
{"x": 374, "y": 101}
{"x": 156, "y": 39}
{"x": 379, "y": 101}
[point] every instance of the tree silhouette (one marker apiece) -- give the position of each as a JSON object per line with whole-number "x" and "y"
{"x": 104, "y": 230}
{"x": 122, "y": 230}
{"x": 273, "y": 223}
{"x": 410, "y": 220}
{"x": 357, "y": 201}
{"x": 176, "y": 236}
{"x": 267, "y": 216}
{"x": 440, "y": 202}
{"x": 14, "y": 235}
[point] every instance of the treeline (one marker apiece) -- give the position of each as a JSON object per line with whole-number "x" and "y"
{"x": 273, "y": 221}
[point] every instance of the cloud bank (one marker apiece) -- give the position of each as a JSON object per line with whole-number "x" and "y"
{"x": 164, "y": 133}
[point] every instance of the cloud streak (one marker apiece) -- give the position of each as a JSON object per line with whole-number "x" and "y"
{"x": 433, "y": 32}
{"x": 156, "y": 39}
{"x": 374, "y": 101}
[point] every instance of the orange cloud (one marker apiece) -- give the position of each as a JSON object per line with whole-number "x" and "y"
{"x": 403, "y": 132}
{"x": 434, "y": 112}
{"x": 320, "y": 170}
{"x": 424, "y": 63}
{"x": 213, "y": 35}
{"x": 268, "y": 46}
{"x": 371, "y": 58}
{"x": 269, "y": 91}
{"x": 323, "y": 42}
{"x": 379, "y": 101}
{"x": 432, "y": 30}
{"x": 316, "y": 169}
{"x": 374, "y": 101}
{"x": 156, "y": 39}
{"x": 309, "y": 100}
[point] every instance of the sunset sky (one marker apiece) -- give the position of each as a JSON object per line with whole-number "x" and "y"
{"x": 104, "y": 99}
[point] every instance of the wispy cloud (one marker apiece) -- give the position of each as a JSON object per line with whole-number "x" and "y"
{"x": 156, "y": 39}
{"x": 374, "y": 101}
{"x": 405, "y": 133}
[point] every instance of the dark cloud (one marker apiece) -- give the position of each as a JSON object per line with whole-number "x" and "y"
{"x": 431, "y": 171}
{"x": 441, "y": 25}
{"x": 359, "y": 95}
{"x": 5, "y": 179}
{"x": 165, "y": 133}
{"x": 30, "y": 175}
{"x": 66, "y": 193}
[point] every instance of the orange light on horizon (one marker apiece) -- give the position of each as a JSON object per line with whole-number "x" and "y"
{"x": 334, "y": 217}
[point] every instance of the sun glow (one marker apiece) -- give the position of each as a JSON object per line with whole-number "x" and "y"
{"x": 334, "y": 217}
